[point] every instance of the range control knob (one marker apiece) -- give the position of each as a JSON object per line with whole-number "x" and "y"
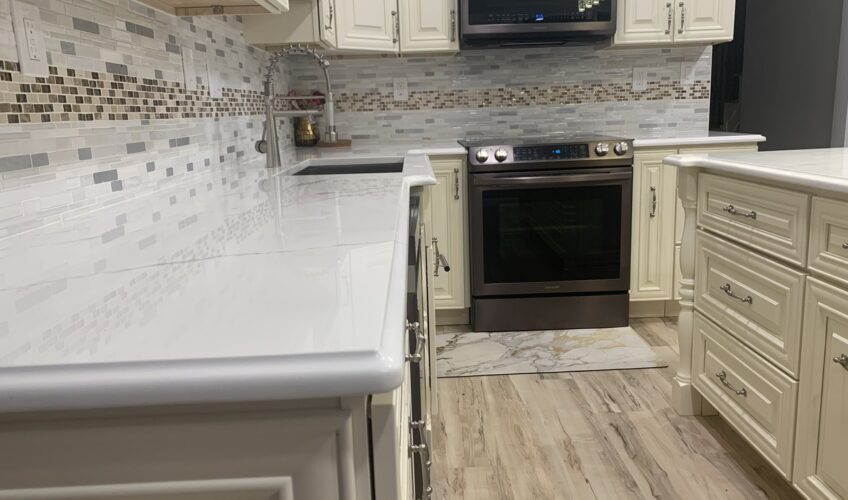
{"x": 602, "y": 149}
{"x": 501, "y": 155}
{"x": 482, "y": 155}
{"x": 621, "y": 148}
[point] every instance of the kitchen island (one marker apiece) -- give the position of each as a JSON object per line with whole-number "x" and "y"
{"x": 763, "y": 328}
{"x": 240, "y": 332}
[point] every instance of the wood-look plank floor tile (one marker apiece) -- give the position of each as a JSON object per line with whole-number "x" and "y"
{"x": 590, "y": 436}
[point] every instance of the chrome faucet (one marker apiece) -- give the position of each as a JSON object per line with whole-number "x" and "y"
{"x": 268, "y": 144}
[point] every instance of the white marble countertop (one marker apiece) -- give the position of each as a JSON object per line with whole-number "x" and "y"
{"x": 825, "y": 169}
{"x": 236, "y": 284}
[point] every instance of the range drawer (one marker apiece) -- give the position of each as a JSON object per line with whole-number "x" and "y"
{"x": 753, "y": 396}
{"x": 756, "y": 299}
{"x": 770, "y": 219}
{"x": 829, "y": 239}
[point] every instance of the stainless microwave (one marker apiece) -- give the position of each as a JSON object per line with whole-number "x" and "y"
{"x": 508, "y": 23}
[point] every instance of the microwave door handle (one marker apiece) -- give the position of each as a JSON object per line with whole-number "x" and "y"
{"x": 507, "y": 180}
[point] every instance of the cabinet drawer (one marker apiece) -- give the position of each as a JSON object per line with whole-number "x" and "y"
{"x": 772, "y": 220}
{"x": 753, "y": 297}
{"x": 829, "y": 239}
{"x": 753, "y": 396}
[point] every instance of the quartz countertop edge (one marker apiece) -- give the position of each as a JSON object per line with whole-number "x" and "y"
{"x": 706, "y": 139}
{"x": 300, "y": 375}
{"x": 824, "y": 169}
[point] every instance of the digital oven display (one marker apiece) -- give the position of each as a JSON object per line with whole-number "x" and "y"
{"x": 551, "y": 152}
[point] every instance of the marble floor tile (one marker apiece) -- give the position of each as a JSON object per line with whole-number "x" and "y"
{"x": 462, "y": 352}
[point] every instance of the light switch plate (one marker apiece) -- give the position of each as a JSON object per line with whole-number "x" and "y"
{"x": 189, "y": 71}
{"x": 687, "y": 73}
{"x": 401, "y": 89}
{"x": 29, "y": 39}
{"x": 640, "y": 79}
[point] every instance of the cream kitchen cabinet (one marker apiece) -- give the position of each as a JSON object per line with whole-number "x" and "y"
{"x": 385, "y": 26}
{"x": 307, "y": 22}
{"x": 661, "y": 22}
{"x": 428, "y": 25}
{"x": 652, "y": 248}
{"x": 763, "y": 326}
{"x": 446, "y": 209}
{"x": 367, "y": 25}
{"x": 657, "y": 232}
{"x": 821, "y": 462}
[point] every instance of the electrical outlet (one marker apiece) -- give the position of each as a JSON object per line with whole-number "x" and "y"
{"x": 401, "y": 89}
{"x": 687, "y": 73}
{"x": 32, "y": 42}
{"x": 32, "y": 54}
{"x": 640, "y": 79}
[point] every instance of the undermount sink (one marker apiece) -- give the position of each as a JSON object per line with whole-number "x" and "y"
{"x": 360, "y": 168}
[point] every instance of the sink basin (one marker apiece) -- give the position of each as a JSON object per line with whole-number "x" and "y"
{"x": 361, "y": 168}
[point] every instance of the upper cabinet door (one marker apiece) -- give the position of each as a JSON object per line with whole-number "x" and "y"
{"x": 704, "y": 20}
{"x": 367, "y": 25}
{"x": 641, "y": 22}
{"x": 428, "y": 25}
{"x": 327, "y": 22}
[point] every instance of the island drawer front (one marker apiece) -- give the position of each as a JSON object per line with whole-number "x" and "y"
{"x": 829, "y": 239}
{"x": 773, "y": 220}
{"x": 753, "y": 396}
{"x": 753, "y": 297}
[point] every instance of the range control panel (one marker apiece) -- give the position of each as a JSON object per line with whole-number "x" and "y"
{"x": 586, "y": 151}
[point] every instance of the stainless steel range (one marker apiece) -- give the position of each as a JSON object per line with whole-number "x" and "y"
{"x": 550, "y": 232}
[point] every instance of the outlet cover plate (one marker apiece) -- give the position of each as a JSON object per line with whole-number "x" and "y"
{"x": 29, "y": 39}
{"x": 401, "y": 89}
{"x": 640, "y": 79}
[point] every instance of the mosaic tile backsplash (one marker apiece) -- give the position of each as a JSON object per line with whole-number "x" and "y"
{"x": 114, "y": 117}
{"x": 518, "y": 91}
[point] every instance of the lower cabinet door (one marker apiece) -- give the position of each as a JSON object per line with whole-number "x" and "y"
{"x": 654, "y": 204}
{"x": 448, "y": 233}
{"x": 821, "y": 465}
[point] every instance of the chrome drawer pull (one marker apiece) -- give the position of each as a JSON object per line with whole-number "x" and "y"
{"x": 653, "y": 202}
{"x": 420, "y": 338}
{"x": 668, "y": 25}
{"x": 842, "y": 359}
{"x": 441, "y": 260}
{"x": 727, "y": 289}
{"x": 722, "y": 376}
{"x": 423, "y": 449}
{"x": 735, "y": 211}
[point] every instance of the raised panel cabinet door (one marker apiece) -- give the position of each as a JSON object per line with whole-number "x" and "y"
{"x": 368, "y": 25}
{"x": 644, "y": 22}
{"x": 448, "y": 231}
{"x": 327, "y": 22}
{"x": 428, "y": 25}
{"x": 704, "y": 20}
{"x": 654, "y": 203}
{"x": 821, "y": 465}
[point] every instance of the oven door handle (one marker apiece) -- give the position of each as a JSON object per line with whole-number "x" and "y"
{"x": 512, "y": 180}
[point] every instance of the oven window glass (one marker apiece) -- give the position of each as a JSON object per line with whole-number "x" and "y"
{"x": 552, "y": 234}
{"x": 536, "y": 11}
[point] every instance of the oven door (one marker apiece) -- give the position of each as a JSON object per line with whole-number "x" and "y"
{"x": 551, "y": 232}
